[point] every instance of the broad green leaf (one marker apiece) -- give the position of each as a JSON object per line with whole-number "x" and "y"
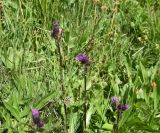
{"x": 140, "y": 94}
{"x": 88, "y": 116}
{"x": 108, "y": 126}
{"x": 12, "y": 110}
{"x": 44, "y": 100}
{"x": 125, "y": 116}
{"x": 144, "y": 73}
{"x": 155, "y": 98}
{"x": 25, "y": 112}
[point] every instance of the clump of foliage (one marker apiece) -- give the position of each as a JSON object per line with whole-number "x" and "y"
{"x": 108, "y": 48}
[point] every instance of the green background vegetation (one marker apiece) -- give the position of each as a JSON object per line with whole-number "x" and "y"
{"x": 122, "y": 39}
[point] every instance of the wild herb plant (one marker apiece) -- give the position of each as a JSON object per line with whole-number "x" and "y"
{"x": 85, "y": 61}
{"x": 56, "y": 33}
{"x": 122, "y": 40}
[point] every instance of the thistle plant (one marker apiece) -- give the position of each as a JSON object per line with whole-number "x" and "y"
{"x": 82, "y": 58}
{"x": 120, "y": 108}
{"x": 36, "y": 119}
{"x": 56, "y": 33}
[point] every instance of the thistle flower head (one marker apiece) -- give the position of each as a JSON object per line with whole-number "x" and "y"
{"x": 119, "y": 106}
{"x": 35, "y": 113}
{"x": 56, "y": 31}
{"x": 67, "y": 100}
{"x": 114, "y": 100}
{"x": 36, "y": 118}
{"x": 122, "y": 107}
{"x": 83, "y": 59}
{"x": 40, "y": 124}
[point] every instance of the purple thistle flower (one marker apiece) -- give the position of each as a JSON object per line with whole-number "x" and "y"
{"x": 35, "y": 113}
{"x": 56, "y": 31}
{"x": 115, "y": 100}
{"x": 119, "y": 106}
{"x": 40, "y": 124}
{"x": 83, "y": 59}
{"x": 122, "y": 107}
{"x": 36, "y": 118}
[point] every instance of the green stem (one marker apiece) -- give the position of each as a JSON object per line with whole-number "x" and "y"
{"x": 85, "y": 95}
{"x": 62, "y": 81}
{"x": 118, "y": 119}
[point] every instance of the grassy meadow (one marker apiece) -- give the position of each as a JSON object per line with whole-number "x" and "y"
{"x": 121, "y": 39}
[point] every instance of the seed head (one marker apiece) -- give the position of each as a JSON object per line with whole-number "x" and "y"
{"x": 56, "y": 31}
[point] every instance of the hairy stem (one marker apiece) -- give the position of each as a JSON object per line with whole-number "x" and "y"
{"x": 85, "y": 95}
{"x": 117, "y": 122}
{"x": 62, "y": 81}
